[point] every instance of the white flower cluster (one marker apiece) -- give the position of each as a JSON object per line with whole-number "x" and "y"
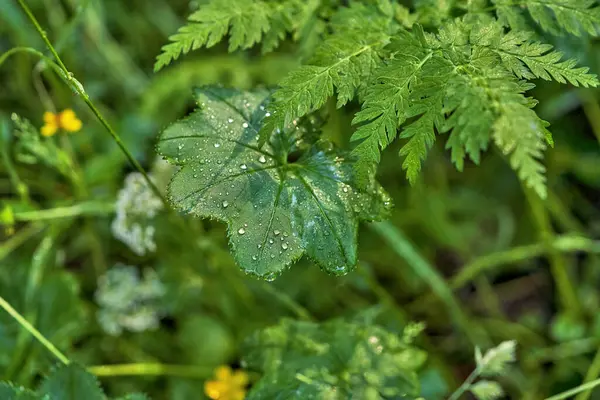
{"x": 136, "y": 206}
{"x": 128, "y": 302}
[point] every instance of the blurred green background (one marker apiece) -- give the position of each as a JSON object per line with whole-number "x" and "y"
{"x": 480, "y": 218}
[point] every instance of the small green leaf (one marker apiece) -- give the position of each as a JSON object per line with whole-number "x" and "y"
{"x": 71, "y": 382}
{"x": 487, "y": 390}
{"x": 10, "y": 392}
{"x": 296, "y": 195}
{"x": 332, "y": 360}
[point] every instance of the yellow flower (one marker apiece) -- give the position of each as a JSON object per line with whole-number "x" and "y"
{"x": 228, "y": 385}
{"x": 66, "y": 120}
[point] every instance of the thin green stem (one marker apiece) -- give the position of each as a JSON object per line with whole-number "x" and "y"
{"x": 18, "y": 239}
{"x": 87, "y": 208}
{"x": 590, "y": 376}
{"x": 31, "y": 329}
{"x": 566, "y": 243}
{"x": 145, "y": 369}
{"x": 20, "y": 186}
{"x": 558, "y": 266}
{"x": 296, "y": 308}
{"x": 465, "y": 385}
{"x": 592, "y": 111}
{"x": 79, "y": 89}
{"x": 574, "y": 391}
{"x": 402, "y": 246}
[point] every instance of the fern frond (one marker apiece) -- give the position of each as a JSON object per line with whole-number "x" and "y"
{"x": 247, "y": 22}
{"x": 346, "y": 57}
{"x": 529, "y": 60}
{"x": 244, "y": 20}
{"x": 521, "y": 133}
{"x": 554, "y": 16}
{"x": 387, "y": 100}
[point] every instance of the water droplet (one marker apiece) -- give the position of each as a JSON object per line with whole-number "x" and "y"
{"x": 284, "y": 246}
{"x": 271, "y": 241}
{"x": 244, "y": 167}
{"x": 345, "y": 189}
{"x": 241, "y": 231}
{"x": 276, "y": 232}
{"x": 217, "y": 145}
{"x": 254, "y": 258}
{"x": 259, "y": 246}
{"x": 245, "y": 124}
{"x": 268, "y": 114}
{"x": 272, "y": 255}
{"x": 225, "y": 204}
{"x": 262, "y": 159}
{"x": 230, "y": 120}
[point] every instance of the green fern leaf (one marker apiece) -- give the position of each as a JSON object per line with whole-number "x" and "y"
{"x": 244, "y": 20}
{"x": 292, "y": 197}
{"x": 522, "y": 134}
{"x": 340, "y": 63}
{"x": 554, "y": 16}
{"x": 529, "y": 60}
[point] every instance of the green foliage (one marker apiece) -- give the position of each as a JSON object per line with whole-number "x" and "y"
{"x": 555, "y": 16}
{"x": 468, "y": 79}
{"x": 225, "y": 175}
{"x": 31, "y": 148}
{"x": 66, "y": 382}
{"x": 487, "y": 390}
{"x": 246, "y": 21}
{"x": 335, "y": 359}
{"x": 447, "y": 84}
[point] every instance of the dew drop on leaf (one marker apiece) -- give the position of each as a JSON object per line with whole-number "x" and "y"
{"x": 245, "y": 125}
{"x": 241, "y": 231}
{"x": 276, "y": 232}
{"x": 217, "y": 145}
{"x": 262, "y": 159}
{"x": 230, "y": 120}
{"x": 244, "y": 167}
{"x": 225, "y": 204}
{"x": 284, "y": 246}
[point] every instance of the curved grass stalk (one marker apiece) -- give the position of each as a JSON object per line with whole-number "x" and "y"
{"x": 78, "y": 88}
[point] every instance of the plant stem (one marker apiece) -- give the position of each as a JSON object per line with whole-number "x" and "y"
{"x": 566, "y": 243}
{"x": 78, "y": 88}
{"x": 18, "y": 239}
{"x": 34, "y": 332}
{"x": 295, "y": 307}
{"x": 578, "y": 389}
{"x": 591, "y": 374}
{"x": 87, "y": 208}
{"x": 465, "y": 385}
{"x": 558, "y": 265}
{"x": 145, "y": 369}
{"x": 591, "y": 110}
{"x": 431, "y": 276}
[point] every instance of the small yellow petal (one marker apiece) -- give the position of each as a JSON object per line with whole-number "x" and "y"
{"x": 223, "y": 373}
{"x": 214, "y": 389}
{"x": 237, "y": 394}
{"x": 239, "y": 378}
{"x": 49, "y": 118}
{"x": 49, "y": 130}
{"x": 69, "y": 121}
